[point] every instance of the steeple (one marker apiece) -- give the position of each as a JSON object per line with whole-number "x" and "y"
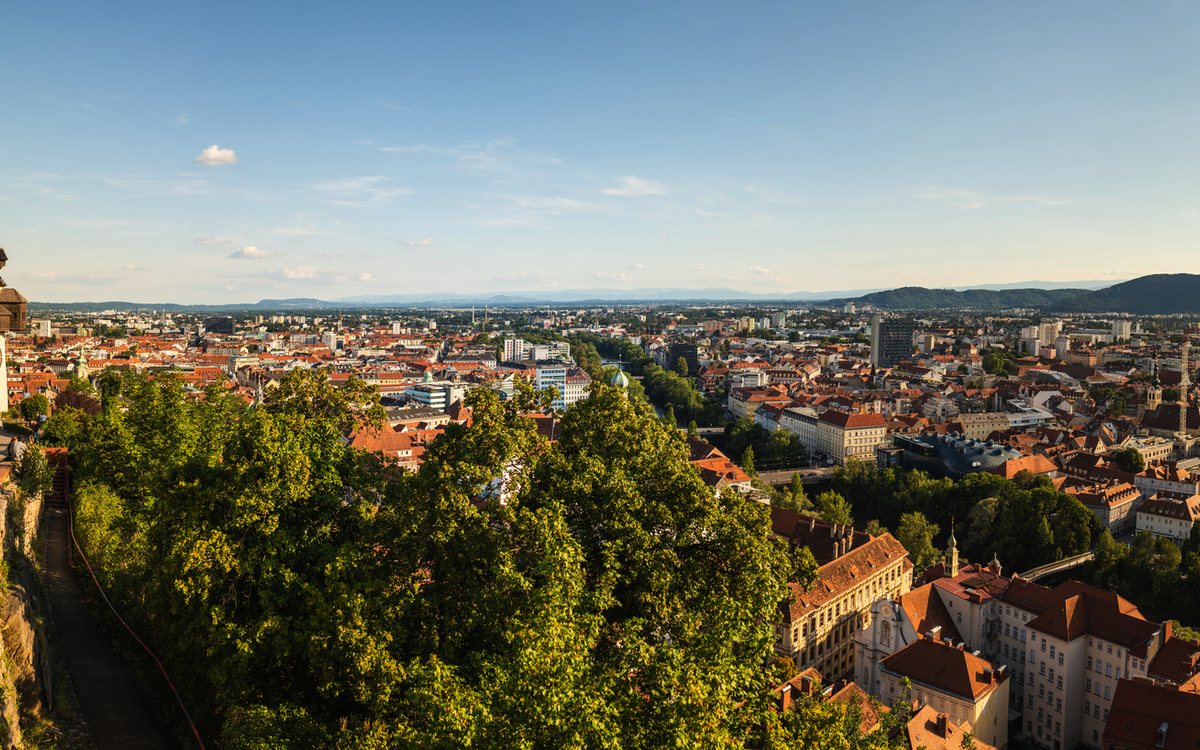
{"x": 950, "y": 565}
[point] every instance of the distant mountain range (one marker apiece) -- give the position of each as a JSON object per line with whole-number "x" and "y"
{"x": 1157, "y": 294}
{"x": 920, "y": 298}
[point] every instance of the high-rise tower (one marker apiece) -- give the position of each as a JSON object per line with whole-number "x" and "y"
{"x": 1183, "y": 386}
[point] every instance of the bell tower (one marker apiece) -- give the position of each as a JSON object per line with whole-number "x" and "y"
{"x": 12, "y": 304}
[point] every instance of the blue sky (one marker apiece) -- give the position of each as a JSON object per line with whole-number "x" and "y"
{"x": 496, "y": 147}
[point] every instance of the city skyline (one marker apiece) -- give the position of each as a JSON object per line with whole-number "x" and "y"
{"x": 226, "y": 154}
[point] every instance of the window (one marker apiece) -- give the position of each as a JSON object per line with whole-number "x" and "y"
{"x": 1060, "y": 658}
{"x": 1024, "y": 617}
{"x": 1052, "y": 652}
{"x": 1031, "y": 701}
{"x": 1052, "y": 675}
{"x": 1108, "y": 670}
{"x": 1087, "y": 686}
{"x": 1043, "y": 644}
{"x": 1118, "y": 653}
{"x": 1106, "y": 697}
{"x": 960, "y": 618}
{"x": 1022, "y": 634}
{"x": 1006, "y": 649}
{"x": 1095, "y": 735}
{"x": 1006, "y": 629}
{"x": 1060, "y": 682}
{"x": 1089, "y": 662}
{"x": 1042, "y": 669}
{"x": 1118, "y": 673}
{"x": 1100, "y": 645}
{"x": 1040, "y": 715}
{"x": 1106, "y": 714}
{"x": 1096, "y": 711}
{"x": 1110, "y": 648}
{"x": 1008, "y": 610}
{"x": 1087, "y": 707}
{"x": 1041, "y": 691}
{"x": 1031, "y": 678}
{"x": 1089, "y": 641}
{"x": 1058, "y": 705}
{"x": 1058, "y": 727}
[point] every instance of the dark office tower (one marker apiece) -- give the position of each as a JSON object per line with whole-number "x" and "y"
{"x": 891, "y": 340}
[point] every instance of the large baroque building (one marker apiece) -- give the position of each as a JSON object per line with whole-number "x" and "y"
{"x": 817, "y": 627}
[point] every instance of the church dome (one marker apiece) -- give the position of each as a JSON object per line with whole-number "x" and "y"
{"x": 620, "y": 380}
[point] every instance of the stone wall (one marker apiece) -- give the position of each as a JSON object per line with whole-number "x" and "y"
{"x": 25, "y": 668}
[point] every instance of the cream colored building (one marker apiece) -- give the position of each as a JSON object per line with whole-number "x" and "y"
{"x": 844, "y": 436}
{"x": 817, "y": 627}
{"x": 953, "y": 681}
{"x": 979, "y": 426}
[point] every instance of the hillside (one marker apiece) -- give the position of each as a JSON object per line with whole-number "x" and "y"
{"x": 1157, "y": 294}
{"x": 920, "y": 298}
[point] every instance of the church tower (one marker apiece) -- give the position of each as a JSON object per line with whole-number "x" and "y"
{"x": 12, "y": 318}
{"x": 950, "y": 564}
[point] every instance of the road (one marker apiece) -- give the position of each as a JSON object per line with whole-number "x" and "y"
{"x": 113, "y": 702}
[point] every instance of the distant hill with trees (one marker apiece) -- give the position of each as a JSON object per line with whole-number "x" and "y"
{"x": 1156, "y": 294}
{"x": 920, "y": 298}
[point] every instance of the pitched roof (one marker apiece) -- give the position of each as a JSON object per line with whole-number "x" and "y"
{"x": 926, "y": 611}
{"x": 945, "y": 668}
{"x": 934, "y": 731}
{"x": 1141, "y": 709}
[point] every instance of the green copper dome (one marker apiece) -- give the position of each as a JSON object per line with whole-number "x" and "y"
{"x": 620, "y": 380}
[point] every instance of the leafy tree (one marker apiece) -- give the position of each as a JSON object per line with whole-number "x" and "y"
{"x": 77, "y": 399}
{"x": 874, "y": 529}
{"x": 33, "y": 406}
{"x": 323, "y": 591}
{"x": 916, "y": 533}
{"x": 34, "y": 472}
{"x": 691, "y": 430}
{"x": 1131, "y": 460}
{"x": 669, "y": 418}
{"x": 834, "y": 508}
{"x": 748, "y": 461}
{"x": 66, "y": 428}
{"x": 681, "y": 367}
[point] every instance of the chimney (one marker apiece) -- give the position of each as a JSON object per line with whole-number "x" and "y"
{"x": 936, "y": 633}
{"x": 989, "y": 676}
{"x": 941, "y": 725}
{"x": 785, "y": 698}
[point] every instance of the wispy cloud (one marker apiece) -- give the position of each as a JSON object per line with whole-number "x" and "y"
{"x": 617, "y": 276}
{"x": 131, "y": 267}
{"x": 213, "y": 241}
{"x": 215, "y": 156}
{"x": 96, "y": 223}
{"x": 638, "y": 267}
{"x": 387, "y": 105}
{"x": 761, "y": 270}
{"x": 177, "y": 119}
{"x": 498, "y": 159}
{"x": 966, "y": 200}
{"x": 299, "y": 231}
{"x": 250, "y": 252}
{"x": 1193, "y": 212}
{"x": 53, "y": 277}
{"x": 358, "y": 191}
{"x": 635, "y": 186}
{"x": 429, "y": 242}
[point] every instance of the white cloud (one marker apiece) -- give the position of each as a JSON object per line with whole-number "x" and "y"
{"x": 298, "y": 232}
{"x": 250, "y": 252}
{"x": 358, "y": 191}
{"x": 638, "y": 266}
{"x": 213, "y": 241}
{"x": 215, "y": 156}
{"x": 970, "y": 199}
{"x": 182, "y": 119}
{"x": 1193, "y": 212}
{"x": 633, "y": 185}
{"x": 617, "y": 276}
{"x": 430, "y": 242}
{"x": 131, "y": 267}
{"x": 99, "y": 223}
{"x": 300, "y": 272}
{"x": 761, "y": 270}
{"x": 364, "y": 277}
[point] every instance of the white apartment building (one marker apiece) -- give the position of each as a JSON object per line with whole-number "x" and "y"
{"x": 1168, "y": 517}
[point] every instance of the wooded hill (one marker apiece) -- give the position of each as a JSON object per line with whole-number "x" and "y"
{"x": 920, "y": 298}
{"x": 1157, "y": 294}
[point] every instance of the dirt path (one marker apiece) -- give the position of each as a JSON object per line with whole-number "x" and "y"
{"x": 112, "y": 701}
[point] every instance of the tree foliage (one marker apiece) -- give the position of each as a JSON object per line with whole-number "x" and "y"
{"x": 593, "y": 592}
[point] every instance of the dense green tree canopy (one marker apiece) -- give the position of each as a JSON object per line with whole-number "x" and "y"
{"x": 513, "y": 593}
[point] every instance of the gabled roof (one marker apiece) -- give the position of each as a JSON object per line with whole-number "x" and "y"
{"x": 945, "y": 668}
